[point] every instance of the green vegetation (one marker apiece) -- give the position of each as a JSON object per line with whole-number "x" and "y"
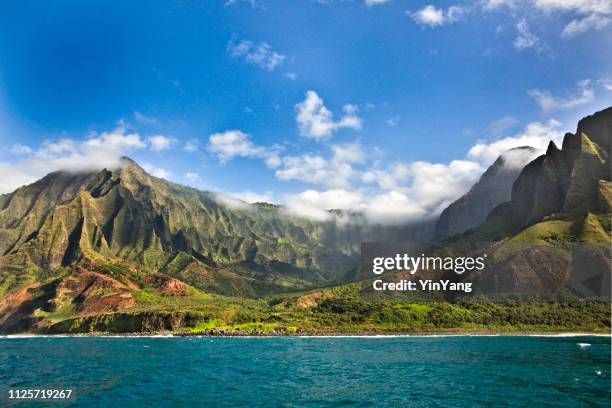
{"x": 341, "y": 310}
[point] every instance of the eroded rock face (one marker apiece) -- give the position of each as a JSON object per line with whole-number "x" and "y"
{"x": 82, "y": 293}
{"x": 493, "y": 188}
{"x": 570, "y": 181}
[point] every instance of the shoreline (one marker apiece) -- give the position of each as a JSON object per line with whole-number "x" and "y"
{"x": 338, "y": 335}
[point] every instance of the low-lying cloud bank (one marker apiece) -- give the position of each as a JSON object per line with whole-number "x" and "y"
{"x": 348, "y": 179}
{"x": 345, "y": 178}
{"x": 96, "y": 152}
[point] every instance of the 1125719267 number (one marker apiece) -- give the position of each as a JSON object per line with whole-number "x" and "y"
{"x": 40, "y": 394}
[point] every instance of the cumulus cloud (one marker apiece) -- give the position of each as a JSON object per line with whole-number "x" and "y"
{"x": 98, "y": 151}
{"x": 432, "y": 186}
{"x": 119, "y": 139}
{"x": 402, "y": 192}
{"x": 259, "y": 54}
{"x": 584, "y": 94}
{"x": 160, "y": 142}
{"x": 235, "y": 143}
{"x": 317, "y": 122}
{"x": 158, "y": 172}
{"x": 436, "y": 17}
{"x": 536, "y": 135}
{"x": 334, "y": 172}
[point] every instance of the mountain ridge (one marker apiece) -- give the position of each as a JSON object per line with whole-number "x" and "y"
{"x": 89, "y": 247}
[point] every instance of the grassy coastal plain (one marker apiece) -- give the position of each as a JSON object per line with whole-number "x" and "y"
{"x": 338, "y": 311}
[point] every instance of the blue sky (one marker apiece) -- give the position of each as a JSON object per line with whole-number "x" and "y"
{"x": 393, "y": 107}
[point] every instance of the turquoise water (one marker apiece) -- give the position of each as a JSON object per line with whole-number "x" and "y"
{"x": 361, "y": 372}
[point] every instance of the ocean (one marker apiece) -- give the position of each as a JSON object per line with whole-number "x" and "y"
{"x": 434, "y": 371}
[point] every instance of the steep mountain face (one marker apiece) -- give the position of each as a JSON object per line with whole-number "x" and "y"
{"x": 121, "y": 242}
{"x": 558, "y": 214}
{"x": 493, "y": 188}
{"x": 567, "y": 183}
{"x": 126, "y": 216}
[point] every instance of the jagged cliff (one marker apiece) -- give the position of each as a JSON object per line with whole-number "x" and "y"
{"x": 493, "y": 188}
{"x": 151, "y": 225}
{"x": 120, "y": 242}
{"x": 555, "y": 231}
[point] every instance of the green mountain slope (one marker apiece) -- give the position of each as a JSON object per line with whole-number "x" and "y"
{"x": 555, "y": 232}
{"x": 128, "y": 219}
{"x": 120, "y": 250}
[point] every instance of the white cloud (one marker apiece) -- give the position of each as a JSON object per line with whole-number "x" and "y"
{"x": 146, "y": 120}
{"x": 549, "y": 102}
{"x": 606, "y": 83}
{"x": 315, "y": 204}
{"x": 20, "y": 149}
{"x": 235, "y": 143}
{"x": 291, "y": 75}
{"x": 14, "y": 176}
{"x": 590, "y": 22}
{"x": 496, "y": 4}
{"x": 390, "y": 207}
{"x": 317, "y": 122}
{"x": 310, "y": 169}
{"x": 243, "y": 200}
{"x": 586, "y": 15}
{"x": 579, "y": 6}
{"x": 231, "y": 202}
{"x": 589, "y": 14}
{"x": 525, "y": 38}
{"x": 118, "y": 140}
{"x": 334, "y": 172}
{"x": 252, "y": 3}
{"x": 193, "y": 177}
{"x": 160, "y": 142}
{"x": 536, "y": 135}
{"x": 348, "y": 153}
{"x": 371, "y": 3}
{"x": 99, "y": 151}
{"x": 157, "y": 171}
{"x": 431, "y": 186}
{"x": 436, "y": 17}
{"x": 260, "y": 54}
{"x": 393, "y": 207}
{"x": 253, "y": 197}
{"x": 192, "y": 145}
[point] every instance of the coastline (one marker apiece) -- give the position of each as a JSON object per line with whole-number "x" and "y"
{"x": 327, "y": 335}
